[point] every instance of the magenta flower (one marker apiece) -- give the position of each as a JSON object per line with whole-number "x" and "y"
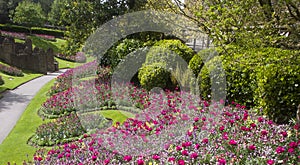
{"x": 140, "y": 162}
{"x": 205, "y": 141}
{"x": 181, "y": 162}
{"x": 232, "y": 142}
{"x": 270, "y": 162}
{"x": 222, "y": 161}
{"x": 194, "y": 155}
{"x": 252, "y": 147}
{"x": 293, "y": 144}
{"x": 155, "y": 157}
{"x": 291, "y": 150}
{"x": 185, "y": 153}
{"x": 127, "y": 158}
{"x": 279, "y": 150}
{"x": 264, "y": 132}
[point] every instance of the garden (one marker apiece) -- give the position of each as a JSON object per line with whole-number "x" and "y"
{"x": 163, "y": 114}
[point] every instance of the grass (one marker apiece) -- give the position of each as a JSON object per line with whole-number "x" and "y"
{"x": 14, "y": 148}
{"x": 12, "y": 82}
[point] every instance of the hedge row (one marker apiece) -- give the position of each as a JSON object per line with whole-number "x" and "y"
{"x": 35, "y": 30}
{"x": 262, "y": 78}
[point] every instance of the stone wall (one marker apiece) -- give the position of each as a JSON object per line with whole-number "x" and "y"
{"x": 23, "y": 56}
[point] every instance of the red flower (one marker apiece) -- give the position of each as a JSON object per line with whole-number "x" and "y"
{"x": 284, "y": 134}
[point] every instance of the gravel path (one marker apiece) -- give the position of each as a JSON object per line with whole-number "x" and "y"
{"x": 14, "y": 102}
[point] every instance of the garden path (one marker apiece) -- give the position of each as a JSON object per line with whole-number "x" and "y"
{"x": 14, "y": 102}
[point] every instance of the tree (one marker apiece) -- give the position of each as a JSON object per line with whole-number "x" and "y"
{"x": 29, "y": 14}
{"x": 243, "y": 22}
{"x": 55, "y": 14}
{"x": 4, "y": 11}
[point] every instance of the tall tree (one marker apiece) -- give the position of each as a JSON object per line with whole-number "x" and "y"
{"x": 246, "y": 22}
{"x": 29, "y": 13}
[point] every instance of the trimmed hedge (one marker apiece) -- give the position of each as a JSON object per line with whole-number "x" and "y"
{"x": 266, "y": 78}
{"x": 35, "y": 30}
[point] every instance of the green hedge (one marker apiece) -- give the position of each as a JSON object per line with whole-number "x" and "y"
{"x": 266, "y": 78}
{"x": 35, "y": 30}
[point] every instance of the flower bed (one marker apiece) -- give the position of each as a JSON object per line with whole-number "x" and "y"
{"x": 13, "y": 71}
{"x": 67, "y": 128}
{"x": 21, "y": 36}
{"x": 65, "y": 80}
{"x": 78, "y": 57}
{"x": 237, "y": 137}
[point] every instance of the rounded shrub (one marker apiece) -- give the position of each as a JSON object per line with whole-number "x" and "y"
{"x": 168, "y": 50}
{"x": 154, "y": 75}
{"x": 198, "y": 60}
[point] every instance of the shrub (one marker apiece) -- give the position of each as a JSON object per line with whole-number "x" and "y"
{"x": 168, "y": 50}
{"x": 259, "y": 78}
{"x": 154, "y": 75}
{"x": 115, "y": 54}
{"x": 1, "y": 81}
{"x": 10, "y": 70}
{"x": 197, "y": 62}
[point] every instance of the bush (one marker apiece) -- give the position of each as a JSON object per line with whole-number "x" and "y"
{"x": 78, "y": 57}
{"x": 115, "y": 54}
{"x": 259, "y": 78}
{"x": 154, "y": 75}
{"x": 168, "y": 50}
{"x": 197, "y": 62}
{"x": 1, "y": 81}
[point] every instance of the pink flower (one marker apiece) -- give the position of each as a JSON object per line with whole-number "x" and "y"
{"x": 253, "y": 125}
{"x": 279, "y": 149}
{"x": 106, "y": 161}
{"x": 171, "y": 159}
{"x": 293, "y": 144}
{"x": 194, "y": 155}
{"x": 185, "y": 153}
{"x": 181, "y": 162}
{"x": 205, "y": 141}
{"x": 94, "y": 157}
{"x": 221, "y": 128}
{"x": 140, "y": 162}
{"x": 284, "y": 134}
{"x": 252, "y": 147}
{"x": 196, "y": 119}
{"x": 264, "y": 132}
{"x": 178, "y": 148}
{"x": 232, "y": 142}
{"x": 155, "y": 157}
{"x": 260, "y": 119}
{"x": 127, "y": 158}
{"x": 222, "y": 161}
{"x": 270, "y": 162}
{"x": 291, "y": 150}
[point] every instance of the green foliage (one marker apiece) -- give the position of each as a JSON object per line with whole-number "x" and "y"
{"x": 154, "y": 75}
{"x": 29, "y": 14}
{"x": 4, "y": 14}
{"x": 167, "y": 50}
{"x": 121, "y": 49}
{"x": 259, "y": 78}
{"x": 55, "y": 14}
{"x": 1, "y": 81}
{"x": 197, "y": 62}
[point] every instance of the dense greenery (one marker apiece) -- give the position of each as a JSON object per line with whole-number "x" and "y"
{"x": 1, "y": 81}
{"x": 29, "y": 13}
{"x": 266, "y": 78}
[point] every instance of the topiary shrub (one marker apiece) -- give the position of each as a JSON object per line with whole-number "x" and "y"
{"x": 1, "y": 81}
{"x": 265, "y": 78}
{"x": 197, "y": 62}
{"x": 154, "y": 75}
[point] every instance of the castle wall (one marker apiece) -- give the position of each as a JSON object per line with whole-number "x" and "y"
{"x": 23, "y": 56}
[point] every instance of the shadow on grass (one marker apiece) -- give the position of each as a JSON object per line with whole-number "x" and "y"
{"x": 45, "y": 44}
